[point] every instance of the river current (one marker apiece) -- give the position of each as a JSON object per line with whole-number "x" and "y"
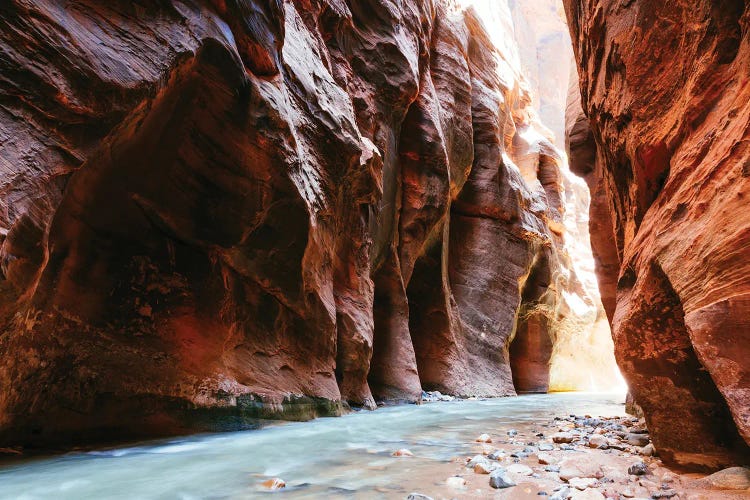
{"x": 344, "y": 457}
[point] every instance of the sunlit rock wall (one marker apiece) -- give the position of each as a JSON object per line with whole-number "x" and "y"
{"x": 664, "y": 147}
{"x": 540, "y": 46}
{"x": 212, "y": 211}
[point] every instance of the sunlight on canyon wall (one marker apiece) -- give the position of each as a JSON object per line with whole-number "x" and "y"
{"x": 533, "y": 37}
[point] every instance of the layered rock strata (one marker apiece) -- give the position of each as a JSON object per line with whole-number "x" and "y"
{"x": 664, "y": 149}
{"x": 214, "y": 211}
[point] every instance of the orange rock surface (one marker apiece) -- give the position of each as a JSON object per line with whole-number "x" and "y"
{"x": 665, "y": 152}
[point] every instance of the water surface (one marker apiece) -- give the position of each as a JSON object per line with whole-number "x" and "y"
{"x": 344, "y": 457}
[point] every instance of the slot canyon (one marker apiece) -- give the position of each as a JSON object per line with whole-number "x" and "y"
{"x": 216, "y": 214}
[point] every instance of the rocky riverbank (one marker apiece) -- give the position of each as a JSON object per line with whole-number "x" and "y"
{"x": 566, "y": 457}
{"x": 580, "y": 457}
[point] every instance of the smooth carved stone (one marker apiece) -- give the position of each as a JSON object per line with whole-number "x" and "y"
{"x": 668, "y": 213}
{"x": 213, "y": 212}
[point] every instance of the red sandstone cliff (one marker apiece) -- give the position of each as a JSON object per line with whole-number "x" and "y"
{"x": 209, "y": 208}
{"x": 666, "y": 88}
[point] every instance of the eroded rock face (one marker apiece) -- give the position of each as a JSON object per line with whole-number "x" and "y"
{"x": 219, "y": 210}
{"x": 665, "y": 153}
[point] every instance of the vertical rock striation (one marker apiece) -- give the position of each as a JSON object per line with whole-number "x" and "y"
{"x": 212, "y": 211}
{"x": 665, "y": 153}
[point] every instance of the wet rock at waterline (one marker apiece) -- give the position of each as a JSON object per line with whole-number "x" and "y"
{"x": 218, "y": 211}
{"x": 273, "y": 484}
{"x": 403, "y": 452}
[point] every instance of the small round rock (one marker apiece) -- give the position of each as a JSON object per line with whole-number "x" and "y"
{"x": 563, "y": 437}
{"x": 273, "y": 484}
{"x": 403, "y": 452}
{"x": 484, "y": 438}
{"x": 638, "y": 469}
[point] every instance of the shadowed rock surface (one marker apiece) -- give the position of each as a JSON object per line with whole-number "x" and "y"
{"x": 665, "y": 153}
{"x": 215, "y": 211}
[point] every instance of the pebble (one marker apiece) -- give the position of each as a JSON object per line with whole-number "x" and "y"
{"x": 487, "y": 449}
{"x": 561, "y": 494}
{"x": 403, "y": 452}
{"x": 499, "y": 480}
{"x": 638, "y": 469}
{"x": 546, "y": 447}
{"x": 563, "y": 437}
{"x": 484, "y": 438}
{"x": 435, "y": 396}
{"x": 273, "y": 484}
{"x": 484, "y": 468}
{"x": 637, "y": 439}
{"x": 552, "y": 468}
{"x": 664, "y": 494}
{"x": 546, "y": 459}
{"x": 520, "y": 469}
{"x": 648, "y": 450}
{"x": 456, "y": 482}
{"x": 582, "y": 483}
{"x": 418, "y": 496}
{"x": 478, "y": 459}
{"x": 512, "y": 432}
{"x": 496, "y": 455}
{"x": 598, "y": 441}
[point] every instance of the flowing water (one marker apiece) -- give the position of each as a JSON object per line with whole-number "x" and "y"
{"x": 344, "y": 457}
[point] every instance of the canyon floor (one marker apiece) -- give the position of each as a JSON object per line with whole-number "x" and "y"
{"x": 353, "y": 457}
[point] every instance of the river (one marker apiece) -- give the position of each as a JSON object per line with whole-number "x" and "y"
{"x": 344, "y": 457}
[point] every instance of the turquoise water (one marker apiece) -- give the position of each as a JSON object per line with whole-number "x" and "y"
{"x": 344, "y": 457}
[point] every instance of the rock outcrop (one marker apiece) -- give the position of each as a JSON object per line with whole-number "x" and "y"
{"x": 665, "y": 152}
{"x": 213, "y": 211}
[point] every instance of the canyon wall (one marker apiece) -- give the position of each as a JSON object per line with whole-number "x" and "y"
{"x": 213, "y": 211}
{"x": 663, "y": 146}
